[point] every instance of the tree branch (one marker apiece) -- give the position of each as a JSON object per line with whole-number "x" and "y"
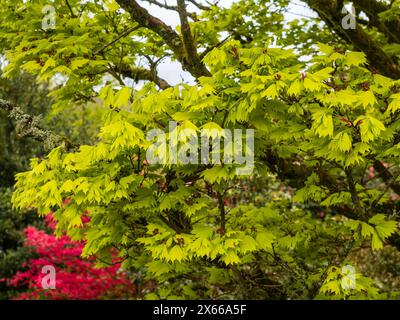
{"x": 28, "y": 126}
{"x": 137, "y": 74}
{"x": 209, "y": 49}
{"x": 330, "y": 14}
{"x": 164, "y": 5}
{"x": 386, "y": 176}
{"x": 221, "y": 207}
{"x": 199, "y": 5}
{"x": 358, "y": 208}
{"x": 70, "y": 9}
{"x": 171, "y": 38}
{"x": 372, "y": 9}
{"x": 122, "y": 35}
{"x": 142, "y": 16}
{"x": 188, "y": 41}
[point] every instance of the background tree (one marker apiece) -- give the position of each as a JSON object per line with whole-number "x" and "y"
{"x": 18, "y": 148}
{"x": 15, "y": 156}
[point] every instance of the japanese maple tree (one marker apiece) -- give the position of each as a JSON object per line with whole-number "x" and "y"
{"x": 323, "y": 101}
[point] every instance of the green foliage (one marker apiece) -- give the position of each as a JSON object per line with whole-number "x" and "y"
{"x": 183, "y": 227}
{"x": 319, "y": 126}
{"x": 12, "y": 256}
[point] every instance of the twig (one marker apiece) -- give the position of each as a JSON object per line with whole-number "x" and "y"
{"x": 70, "y": 9}
{"x": 122, "y": 35}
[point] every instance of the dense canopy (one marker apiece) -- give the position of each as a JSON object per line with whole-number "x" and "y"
{"x": 320, "y": 91}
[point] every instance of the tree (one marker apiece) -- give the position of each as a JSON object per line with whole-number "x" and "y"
{"x": 320, "y": 127}
{"x": 15, "y": 155}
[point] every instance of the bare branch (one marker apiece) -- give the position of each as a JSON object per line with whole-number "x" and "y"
{"x": 199, "y": 5}
{"x": 164, "y": 5}
{"x": 73, "y": 15}
{"x": 203, "y": 54}
{"x": 122, "y": 35}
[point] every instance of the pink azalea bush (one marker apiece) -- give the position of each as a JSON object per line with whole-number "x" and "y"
{"x": 76, "y": 278}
